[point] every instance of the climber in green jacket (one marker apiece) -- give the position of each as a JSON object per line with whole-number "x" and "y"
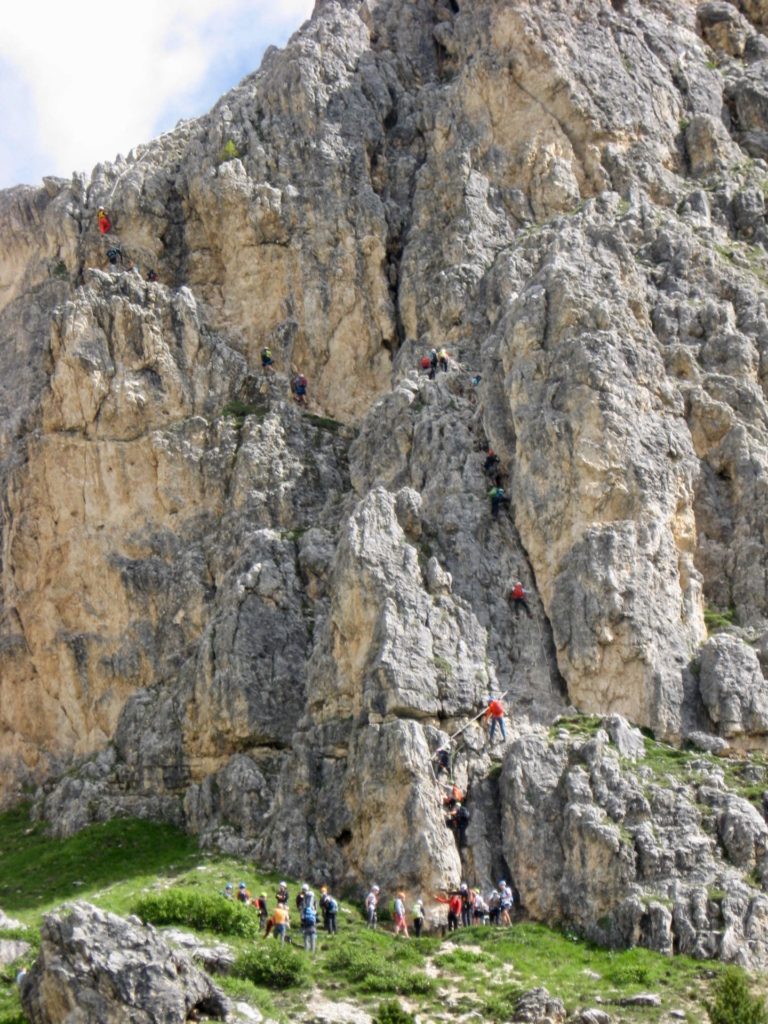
{"x": 498, "y": 498}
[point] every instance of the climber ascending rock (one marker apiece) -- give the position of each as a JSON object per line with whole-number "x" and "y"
{"x": 105, "y": 224}
{"x": 516, "y": 598}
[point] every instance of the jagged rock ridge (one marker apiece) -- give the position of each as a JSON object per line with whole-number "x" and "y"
{"x": 259, "y": 624}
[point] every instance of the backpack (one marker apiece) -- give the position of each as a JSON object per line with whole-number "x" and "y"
{"x": 302, "y": 381}
{"x": 425, "y": 363}
{"x": 308, "y": 915}
{"x": 462, "y": 815}
{"x": 331, "y": 906}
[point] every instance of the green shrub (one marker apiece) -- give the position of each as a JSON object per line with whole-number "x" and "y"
{"x": 204, "y": 911}
{"x": 229, "y": 151}
{"x": 272, "y": 964}
{"x": 715, "y": 620}
{"x": 375, "y": 972}
{"x": 238, "y": 410}
{"x": 392, "y": 1012}
{"x": 733, "y": 1003}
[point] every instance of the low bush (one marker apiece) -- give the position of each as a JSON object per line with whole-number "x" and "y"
{"x": 392, "y": 1012}
{"x": 204, "y": 911}
{"x": 733, "y": 1003}
{"x": 273, "y": 965}
{"x": 375, "y": 972}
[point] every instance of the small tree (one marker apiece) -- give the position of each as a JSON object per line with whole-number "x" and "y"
{"x": 229, "y": 151}
{"x": 733, "y": 1003}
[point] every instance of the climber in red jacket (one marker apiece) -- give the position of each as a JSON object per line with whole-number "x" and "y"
{"x": 454, "y": 909}
{"x": 495, "y": 712}
{"x": 105, "y": 224}
{"x": 516, "y": 598}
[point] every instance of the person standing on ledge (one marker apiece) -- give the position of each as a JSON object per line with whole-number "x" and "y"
{"x": 495, "y": 712}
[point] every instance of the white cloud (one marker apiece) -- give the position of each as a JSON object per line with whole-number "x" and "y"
{"x": 93, "y": 79}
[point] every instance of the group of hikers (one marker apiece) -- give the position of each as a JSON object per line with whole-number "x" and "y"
{"x": 429, "y": 363}
{"x": 278, "y": 923}
{"x": 466, "y": 906}
{"x": 298, "y": 380}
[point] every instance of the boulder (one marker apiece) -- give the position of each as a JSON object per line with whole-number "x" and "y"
{"x": 733, "y": 687}
{"x": 97, "y": 968}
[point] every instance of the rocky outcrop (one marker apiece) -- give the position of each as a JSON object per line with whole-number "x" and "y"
{"x": 97, "y": 968}
{"x": 660, "y": 853}
{"x": 259, "y": 621}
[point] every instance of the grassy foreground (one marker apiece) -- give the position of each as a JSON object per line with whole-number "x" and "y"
{"x": 118, "y": 864}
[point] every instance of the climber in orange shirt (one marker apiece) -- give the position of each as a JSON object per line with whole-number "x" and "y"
{"x": 495, "y": 712}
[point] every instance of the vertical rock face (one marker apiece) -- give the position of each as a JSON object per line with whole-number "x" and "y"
{"x": 258, "y": 621}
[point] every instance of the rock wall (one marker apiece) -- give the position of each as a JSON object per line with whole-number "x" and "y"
{"x": 258, "y": 621}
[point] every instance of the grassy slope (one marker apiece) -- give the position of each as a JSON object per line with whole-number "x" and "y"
{"x": 481, "y": 968}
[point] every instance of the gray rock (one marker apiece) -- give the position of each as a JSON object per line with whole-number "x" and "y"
{"x": 591, "y": 1016}
{"x": 642, "y": 999}
{"x": 12, "y": 949}
{"x": 98, "y": 968}
{"x": 733, "y": 687}
{"x": 536, "y": 1006}
{"x": 630, "y": 857}
{"x": 7, "y": 923}
{"x": 627, "y": 740}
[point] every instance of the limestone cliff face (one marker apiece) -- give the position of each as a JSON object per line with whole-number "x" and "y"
{"x": 259, "y": 622}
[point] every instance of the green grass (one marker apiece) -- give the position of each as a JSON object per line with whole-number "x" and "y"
{"x": 584, "y": 726}
{"x": 746, "y": 776}
{"x": 237, "y": 411}
{"x": 324, "y": 422}
{"x": 37, "y": 873}
{"x": 129, "y": 864}
{"x": 715, "y": 620}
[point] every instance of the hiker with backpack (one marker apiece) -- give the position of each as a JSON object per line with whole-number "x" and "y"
{"x": 506, "y": 902}
{"x": 299, "y": 388}
{"x": 495, "y": 714}
{"x": 266, "y": 359}
{"x": 261, "y": 906}
{"x": 442, "y": 358}
{"x": 494, "y": 907}
{"x": 498, "y": 498}
{"x": 398, "y": 909}
{"x": 418, "y": 917}
{"x": 329, "y": 907}
{"x": 243, "y": 896}
{"x": 282, "y": 894}
{"x": 308, "y": 919}
{"x": 516, "y": 598}
{"x": 279, "y": 923}
{"x": 452, "y": 798}
{"x": 458, "y": 822}
{"x": 491, "y": 464}
{"x": 467, "y": 904}
{"x": 113, "y": 255}
{"x": 442, "y": 761}
{"x": 371, "y": 903}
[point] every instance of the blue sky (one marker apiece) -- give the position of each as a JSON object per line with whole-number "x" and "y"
{"x": 82, "y": 82}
